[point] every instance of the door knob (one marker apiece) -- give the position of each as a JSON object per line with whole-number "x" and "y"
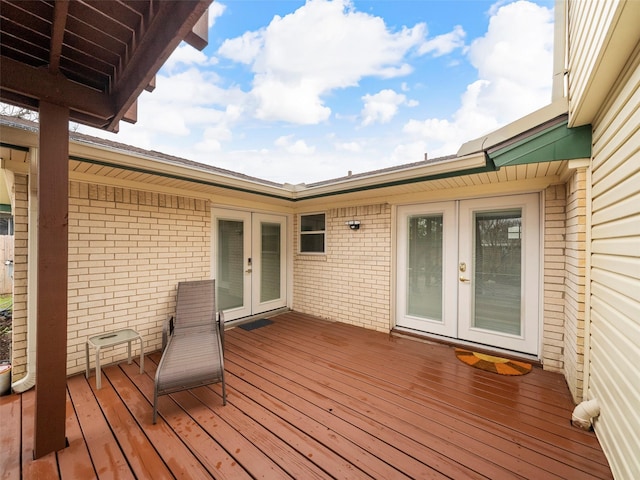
{"x": 248, "y": 270}
{"x": 462, "y": 279}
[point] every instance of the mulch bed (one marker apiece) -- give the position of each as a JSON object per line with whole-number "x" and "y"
{"x": 5, "y": 336}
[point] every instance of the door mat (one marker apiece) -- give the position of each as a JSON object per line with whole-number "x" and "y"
{"x": 262, "y": 322}
{"x": 489, "y": 363}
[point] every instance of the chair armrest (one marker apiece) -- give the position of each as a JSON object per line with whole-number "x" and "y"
{"x": 167, "y": 331}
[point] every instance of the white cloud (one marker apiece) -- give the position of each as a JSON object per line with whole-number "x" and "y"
{"x": 216, "y": 9}
{"x": 208, "y": 145}
{"x": 408, "y": 153}
{"x": 295, "y": 147}
{"x": 186, "y": 55}
{"x": 514, "y": 60}
{"x": 299, "y": 62}
{"x": 244, "y": 49}
{"x": 324, "y": 45}
{"x": 515, "y": 57}
{"x": 382, "y": 106}
{"x": 354, "y": 147}
{"x": 445, "y": 43}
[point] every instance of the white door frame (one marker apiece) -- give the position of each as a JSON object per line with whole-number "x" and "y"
{"x": 527, "y": 340}
{"x": 447, "y": 325}
{"x": 258, "y": 305}
{"x": 457, "y": 305}
{"x": 251, "y": 258}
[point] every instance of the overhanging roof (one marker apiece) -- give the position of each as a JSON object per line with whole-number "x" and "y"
{"x": 549, "y": 141}
{"x": 555, "y": 142}
{"x": 95, "y": 57}
{"x": 541, "y": 136}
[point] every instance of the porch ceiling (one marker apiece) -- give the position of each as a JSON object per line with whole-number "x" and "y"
{"x": 94, "y": 56}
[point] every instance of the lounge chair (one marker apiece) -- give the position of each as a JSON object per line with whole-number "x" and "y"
{"x": 192, "y": 344}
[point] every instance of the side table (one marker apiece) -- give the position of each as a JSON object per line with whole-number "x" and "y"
{"x": 111, "y": 339}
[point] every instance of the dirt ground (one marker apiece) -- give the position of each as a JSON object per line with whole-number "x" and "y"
{"x": 5, "y": 336}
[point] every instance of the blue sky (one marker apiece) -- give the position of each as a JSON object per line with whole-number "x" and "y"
{"x": 294, "y": 91}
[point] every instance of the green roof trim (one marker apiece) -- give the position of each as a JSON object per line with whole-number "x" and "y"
{"x": 558, "y": 142}
{"x": 489, "y": 167}
{"x": 5, "y": 208}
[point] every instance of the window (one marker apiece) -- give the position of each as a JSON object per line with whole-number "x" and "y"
{"x": 312, "y": 233}
{"x": 6, "y": 224}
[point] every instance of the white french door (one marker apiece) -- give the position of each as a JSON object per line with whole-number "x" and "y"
{"x": 469, "y": 270}
{"x": 427, "y": 285}
{"x": 249, "y": 257}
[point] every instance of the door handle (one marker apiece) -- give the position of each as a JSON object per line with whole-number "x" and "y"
{"x": 248, "y": 270}
{"x": 462, "y": 279}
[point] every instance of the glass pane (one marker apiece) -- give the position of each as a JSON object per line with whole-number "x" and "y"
{"x": 312, "y": 242}
{"x": 497, "y": 267}
{"x": 312, "y": 223}
{"x": 230, "y": 261}
{"x": 424, "y": 267}
{"x": 270, "y": 262}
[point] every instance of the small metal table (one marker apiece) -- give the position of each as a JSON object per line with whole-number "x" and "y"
{"x": 111, "y": 339}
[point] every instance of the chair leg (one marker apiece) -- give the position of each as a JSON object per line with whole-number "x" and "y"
{"x": 155, "y": 405}
{"x": 224, "y": 393}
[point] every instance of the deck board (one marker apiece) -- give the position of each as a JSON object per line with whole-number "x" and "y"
{"x": 45, "y": 467}
{"x": 440, "y": 383}
{"x": 396, "y": 424}
{"x": 10, "y": 408}
{"x": 312, "y": 399}
{"x": 182, "y": 463}
{"x": 75, "y": 461}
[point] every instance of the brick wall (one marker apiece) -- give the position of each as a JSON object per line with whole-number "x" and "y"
{"x": 20, "y": 265}
{"x": 554, "y": 265}
{"x": 351, "y": 281}
{"x": 575, "y": 283}
{"x": 127, "y": 251}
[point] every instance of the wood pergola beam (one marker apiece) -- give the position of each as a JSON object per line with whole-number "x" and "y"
{"x": 40, "y": 83}
{"x": 60, "y": 9}
{"x": 51, "y": 301}
{"x": 198, "y": 37}
{"x": 172, "y": 23}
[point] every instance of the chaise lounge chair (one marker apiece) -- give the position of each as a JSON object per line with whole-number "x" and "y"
{"x": 192, "y": 344}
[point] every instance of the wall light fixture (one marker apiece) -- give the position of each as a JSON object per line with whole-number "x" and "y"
{"x": 353, "y": 224}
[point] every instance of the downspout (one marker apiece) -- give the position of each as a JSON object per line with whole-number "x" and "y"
{"x": 29, "y": 380}
{"x": 560, "y": 44}
{"x": 586, "y": 370}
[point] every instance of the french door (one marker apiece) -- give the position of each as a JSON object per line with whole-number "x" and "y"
{"x": 469, "y": 270}
{"x": 249, "y": 256}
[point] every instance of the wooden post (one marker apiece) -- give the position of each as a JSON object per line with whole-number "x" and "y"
{"x": 51, "y": 331}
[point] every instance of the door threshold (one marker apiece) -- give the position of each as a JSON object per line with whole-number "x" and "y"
{"x": 454, "y": 342}
{"x": 239, "y": 321}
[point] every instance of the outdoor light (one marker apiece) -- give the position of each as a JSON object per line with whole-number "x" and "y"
{"x": 353, "y": 224}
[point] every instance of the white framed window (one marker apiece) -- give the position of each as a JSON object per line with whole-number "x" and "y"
{"x": 312, "y": 232}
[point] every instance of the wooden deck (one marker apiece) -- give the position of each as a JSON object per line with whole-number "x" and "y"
{"x": 314, "y": 399}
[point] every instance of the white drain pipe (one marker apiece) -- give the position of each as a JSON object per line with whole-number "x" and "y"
{"x": 29, "y": 380}
{"x": 584, "y": 413}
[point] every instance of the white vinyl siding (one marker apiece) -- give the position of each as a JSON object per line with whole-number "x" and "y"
{"x": 614, "y": 376}
{"x": 589, "y": 22}
{"x": 602, "y": 35}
